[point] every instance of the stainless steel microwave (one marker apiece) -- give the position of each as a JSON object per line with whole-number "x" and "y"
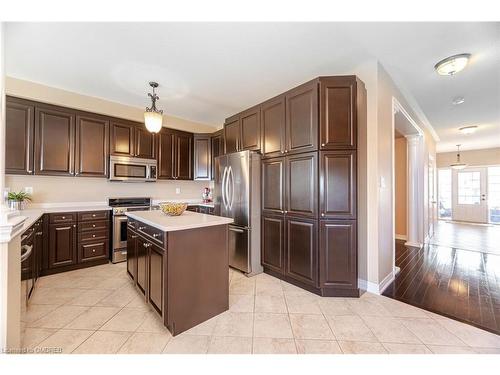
{"x": 130, "y": 169}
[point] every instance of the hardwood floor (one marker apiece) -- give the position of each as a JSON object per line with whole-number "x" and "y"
{"x": 460, "y": 284}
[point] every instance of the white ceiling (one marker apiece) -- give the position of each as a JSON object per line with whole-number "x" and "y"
{"x": 208, "y": 71}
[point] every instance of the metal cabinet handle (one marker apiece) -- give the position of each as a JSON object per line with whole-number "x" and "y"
{"x": 93, "y": 225}
{"x": 63, "y": 217}
{"x": 322, "y": 214}
{"x": 74, "y": 225}
{"x": 323, "y": 145}
{"x": 236, "y": 230}
{"x": 93, "y": 250}
{"x": 286, "y": 212}
{"x": 93, "y": 236}
{"x": 155, "y": 235}
{"x": 141, "y": 228}
{"x": 133, "y": 236}
{"x": 39, "y": 233}
{"x": 93, "y": 215}
{"x": 27, "y": 252}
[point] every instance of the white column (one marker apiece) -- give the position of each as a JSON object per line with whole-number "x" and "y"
{"x": 414, "y": 190}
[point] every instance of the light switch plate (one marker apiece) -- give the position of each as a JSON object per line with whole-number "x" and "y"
{"x": 177, "y": 190}
{"x": 28, "y": 190}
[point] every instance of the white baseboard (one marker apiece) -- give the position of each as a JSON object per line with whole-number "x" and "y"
{"x": 400, "y": 237}
{"x": 375, "y": 288}
{"x": 414, "y": 244}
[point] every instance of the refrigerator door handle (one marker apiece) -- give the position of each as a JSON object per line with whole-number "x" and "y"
{"x": 231, "y": 177}
{"x": 226, "y": 188}
{"x": 223, "y": 188}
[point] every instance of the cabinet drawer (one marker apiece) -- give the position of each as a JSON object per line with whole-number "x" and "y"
{"x": 93, "y": 235}
{"x": 93, "y": 226}
{"x": 150, "y": 232}
{"x": 89, "y": 251}
{"x": 62, "y": 217}
{"x": 93, "y": 215}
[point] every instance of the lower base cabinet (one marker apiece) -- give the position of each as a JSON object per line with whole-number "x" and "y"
{"x": 131, "y": 253}
{"x": 317, "y": 255}
{"x": 62, "y": 245}
{"x": 142, "y": 264}
{"x": 155, "y": 277}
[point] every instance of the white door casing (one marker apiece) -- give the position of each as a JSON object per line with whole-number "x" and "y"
{"x": 469, "y": 195}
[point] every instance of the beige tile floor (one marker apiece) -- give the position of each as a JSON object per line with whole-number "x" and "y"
{"x": 97, "y": 310}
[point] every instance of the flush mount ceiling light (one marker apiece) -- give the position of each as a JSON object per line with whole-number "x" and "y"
{"x": 458, "y": 100}
{"x": 458, "y": 164}
{"x": 452, "y": 65}
{"x": 153, "y": 117}
{"x": 468, "y": 129}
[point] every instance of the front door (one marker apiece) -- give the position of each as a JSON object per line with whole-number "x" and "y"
{"x": 469, "y": 201}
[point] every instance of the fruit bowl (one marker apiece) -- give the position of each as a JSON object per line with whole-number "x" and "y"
{"x": 173, "y": 208}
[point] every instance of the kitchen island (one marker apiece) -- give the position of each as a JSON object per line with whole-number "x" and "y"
{"x": 180, "y": 265}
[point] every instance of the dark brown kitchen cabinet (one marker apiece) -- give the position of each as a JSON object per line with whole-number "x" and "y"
{"x": 273, "y": 242}
{"x": 202, "y": 157}
{"x": 338, "y": 184}
{"x": 302, "y": 118}
{"x": 165, "y": 153}
{"x": 216, "y": 149}
{"x": 301, "y": 184}
{"x": 155, "y": 277}
{"x": 132, "y": 253}
{"x": 39, "y": 242}
{"x": 62, "y": 245}
{"x": 273, "y": 127}
{"x": 92, "y": 146}
{"x": 338, "y": 258}
{"x": 144, "y": 143}
{"x": 273, "y": 185}
{"x": 232, "y": 135}
{"x": 54, "y": 141}
{"x": 301, "y": 254}
{"x": 250, "y": 129}
{"x": 142, "y": 264}
{"x": 183, "y": 152}
{"x": 19, "y": 133}
{"x": 340, "y": 100}
{"x": 122, "y": 138}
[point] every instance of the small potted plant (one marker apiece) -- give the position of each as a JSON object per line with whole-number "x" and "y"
{"x": 16, "y": 200}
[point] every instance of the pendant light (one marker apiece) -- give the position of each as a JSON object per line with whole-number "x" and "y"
{"x": 153, "y": 117}
{"x": 458, "y": 164}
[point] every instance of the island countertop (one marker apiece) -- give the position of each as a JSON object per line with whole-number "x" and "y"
{"x": 188, "y": 220}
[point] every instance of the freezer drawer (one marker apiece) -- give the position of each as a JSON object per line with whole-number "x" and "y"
{"x": 239, "y": 248}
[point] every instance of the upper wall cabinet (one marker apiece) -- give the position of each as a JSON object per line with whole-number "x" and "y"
{"x": 175, "y": 154}
{"x": 273, "y": 127}
{"x": 165, "y": 153}
{"x": 339, "y": 99}
{"x": 232, "y": 134}
{"x": 217, "y": 148}
{"x": 54, "y": 141}
{"x": 202, "y": 157}
{"x": 131, "y": 139}
{"x": 19, "y": 136}
{"x": 92, "y": 145}
{"x": 242, "y": 131}
{"x": 183, "y": 152}
{"x": 302, "y": 118}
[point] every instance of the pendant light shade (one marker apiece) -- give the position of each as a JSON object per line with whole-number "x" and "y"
{"x": 153, "y": 117}
{"x": 458, "y": 164}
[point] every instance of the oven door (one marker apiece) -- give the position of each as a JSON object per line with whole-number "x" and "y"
{"x": 119, "y": 232}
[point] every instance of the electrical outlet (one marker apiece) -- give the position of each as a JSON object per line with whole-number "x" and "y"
{"x": 177, "y": 190}
{"x": 28, "y": 190}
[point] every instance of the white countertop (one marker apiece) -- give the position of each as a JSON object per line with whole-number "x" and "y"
{"x": 190, "y": 202}
{"x": 188, "y": 220}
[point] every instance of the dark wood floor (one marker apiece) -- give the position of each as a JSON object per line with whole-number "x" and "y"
{"x": 460, "y": 284}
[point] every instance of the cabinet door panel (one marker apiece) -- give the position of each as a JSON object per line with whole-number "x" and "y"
{"x": 250, "y": 130}
{"x": 62, "y": 245}
{"x": 132, "y": 254}
{"x": 122, "y": 138}
{"x": 338, "y": 251}
{"x": 92, "y": 250}
{"x": 302, "y": 185}
{"x": 338, "y": 184}
{"x": 338, "y": 113}
{"x": 217, "y": 149}
{"x": 302, "y": 118}
{"x": 273, "y": 127}
{"x": 92, "y": 142}
{"x": 273, "y": 237}
{"x": 54, "y": 141}
{"x": 19, "y": 132}
{"x": 232, "y": 135}
{"x": 202, "y": 157}
{"x": 155, "y": 278}
{"x": 142, "y": 264}
{"x": 165, "y": 154}
{"x": 184, "y": 156}
{"x": 302, "y": 250}
{"x": 273, "y": 185}
{"x": 144, "y": 143}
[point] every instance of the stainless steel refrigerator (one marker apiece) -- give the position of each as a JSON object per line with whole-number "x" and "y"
{"x": 237, "y": 195}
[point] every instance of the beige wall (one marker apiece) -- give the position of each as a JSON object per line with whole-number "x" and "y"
{"x": 400, "y": 186}
{"x": 386, "y": 90}
{"x": 488, "y": 156}
{"x": 48, "y": 189}
{"x": 52, "y": 95}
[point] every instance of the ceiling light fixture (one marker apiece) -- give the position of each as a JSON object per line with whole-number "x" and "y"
{"x": 468, "y": 129}
{"x": 458, "y": 100}
{"x": 153, "y": 117}
{"x": 458, "y": 164}
{"x": 452, "y": 65}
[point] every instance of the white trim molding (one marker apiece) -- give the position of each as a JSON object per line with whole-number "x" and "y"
{"x": 401, "y": 237}
{"x": 379, "y": 288}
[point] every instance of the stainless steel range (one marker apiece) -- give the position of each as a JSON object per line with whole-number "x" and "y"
{"x": 120, "y": 206}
